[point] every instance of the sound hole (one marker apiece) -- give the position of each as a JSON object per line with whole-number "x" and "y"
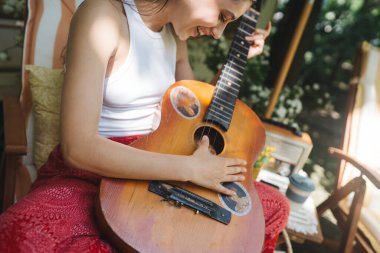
{"x": 216, "y": 139}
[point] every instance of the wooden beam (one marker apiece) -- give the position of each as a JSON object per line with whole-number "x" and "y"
{"x": 289, "y": 57}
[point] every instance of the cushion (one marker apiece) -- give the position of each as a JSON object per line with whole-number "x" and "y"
{"x": 46, "y": 86}
{"x": 46, "y": 32}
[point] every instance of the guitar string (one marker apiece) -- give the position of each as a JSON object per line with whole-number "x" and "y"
{"x": 214, "y": 139}
{"x": 230, "y": 61}
{"x": 216, "y": 94}
{"x": 207, "y": 119}
{"x": 243, "y": 27}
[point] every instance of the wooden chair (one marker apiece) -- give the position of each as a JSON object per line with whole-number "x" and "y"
{"x": 46, "y": 31}
{"x": 357, "y": 177}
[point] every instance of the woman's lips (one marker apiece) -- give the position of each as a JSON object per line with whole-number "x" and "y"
{"x": 195, "y": 32}
{"x": 198, "y": 31}
{"x": 203, "y": 31}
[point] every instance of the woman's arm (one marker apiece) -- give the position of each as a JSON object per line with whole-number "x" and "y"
{"x": 183, "y": 67}
{"x": 94, "y": 39}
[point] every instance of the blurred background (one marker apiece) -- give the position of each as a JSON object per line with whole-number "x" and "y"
{"x": 315, "y": 91}
{"x": 316, "y": 88}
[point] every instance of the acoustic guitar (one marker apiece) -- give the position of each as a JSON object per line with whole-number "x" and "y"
{"x": 144, "y": 216}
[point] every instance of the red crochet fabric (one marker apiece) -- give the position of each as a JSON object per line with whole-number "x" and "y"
{"x": 276, "y": 212}
{"x": 58, "y": 213}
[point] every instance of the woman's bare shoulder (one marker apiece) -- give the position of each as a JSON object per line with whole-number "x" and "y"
{"x": 99, "y": 22}
{"x": 107, "y": 14}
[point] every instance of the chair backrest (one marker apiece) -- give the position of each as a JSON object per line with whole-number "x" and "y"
{"x": 362, "y": 141}
{"x": 46, "y": 33}
{"x": 363, "y": 118}
{"x": 361, "y": 138}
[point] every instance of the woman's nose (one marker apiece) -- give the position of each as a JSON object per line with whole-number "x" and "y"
{"x": 217, "y": 31}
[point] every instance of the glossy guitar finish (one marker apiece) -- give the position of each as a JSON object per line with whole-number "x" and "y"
{"x": 146, "y": 224}
{"x": 136, "y": 220}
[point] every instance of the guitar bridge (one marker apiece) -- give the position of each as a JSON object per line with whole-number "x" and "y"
{"x": 181, "y": 197}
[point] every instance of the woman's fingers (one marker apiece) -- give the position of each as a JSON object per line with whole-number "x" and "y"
{"x": 235, "y": 170}
{"x": 259, "y": 34}
{"x": 204, "y": 143}
{"x": 216, "y": 170}
{"x": 233, "y": 178}
{"x": 252, "y": 39}
{"x": 205, "y": 140}
{"x": 220, "y": 188}
{"x": 257, "y": 40}
{"x": 235, "y": 162}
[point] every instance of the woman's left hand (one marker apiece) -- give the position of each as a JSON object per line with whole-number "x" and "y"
{"x": 257, "y": 40}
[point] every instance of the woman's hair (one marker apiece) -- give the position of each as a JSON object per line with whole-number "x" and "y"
{"x": 150, "y": 7}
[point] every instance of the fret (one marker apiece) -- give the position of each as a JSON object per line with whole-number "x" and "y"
{"x": 247, "y": 31}
{"x": 252, "y": 19}
{"x": 235, "y": 71}
{"x": 215, "y": 111}
{"x": 225, "y": 82}
{"x": 252, "y": 13}
{"x": 240, "y": 37}
{"x": 243, "y": 31}
{"x": 227, "y": 88}
{"x": 249, "y": 27}
{"x": 230, "y": 98}
{"x": 228, "y": 83}
{"x": 235, "y": 66}
{"x": 242, "y": 44}
{"x": 222, "y": 107}
{"x": 229, "y": 67}
{"x": 212, "y": 117}
{"x": 237, "y": 59}
{"x": 241, "y": 55}
{"x": 231, "y": 78}
{"x": 240, "y": 48}
{"x": 218, "y": 116}
{"x": 227, "y": 103}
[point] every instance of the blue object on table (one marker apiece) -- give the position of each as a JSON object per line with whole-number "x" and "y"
{"x": 299, "y": 188}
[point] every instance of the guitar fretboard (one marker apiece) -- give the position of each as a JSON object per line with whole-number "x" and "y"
{"x": 227, "y": 88}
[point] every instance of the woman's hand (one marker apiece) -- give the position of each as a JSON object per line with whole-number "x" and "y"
{"x": 257, "y": 40}
{"x": 210, "y": 170}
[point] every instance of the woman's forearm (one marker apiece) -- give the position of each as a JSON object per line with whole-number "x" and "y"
{"x": 111, "y": 159}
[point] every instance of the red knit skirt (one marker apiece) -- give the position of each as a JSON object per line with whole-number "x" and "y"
{"x": 58, "y": 214}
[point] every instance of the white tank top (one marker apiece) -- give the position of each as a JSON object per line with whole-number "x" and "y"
{"x": 132, "y": 94}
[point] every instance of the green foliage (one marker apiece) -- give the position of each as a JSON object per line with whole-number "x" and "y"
{"x": 214, "y": 53}
{"x": 316, "y": 99}
{"x": 12, "y": 8}
{"x": 327, "y": 69}
{"x": 207, "y": 57}
{"x": 343, "y": 26}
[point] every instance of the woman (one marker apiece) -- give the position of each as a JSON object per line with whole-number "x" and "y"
{"x": 121, "y": 58}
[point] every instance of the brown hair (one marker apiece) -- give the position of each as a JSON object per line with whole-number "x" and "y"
{"x": 150, "y": 7}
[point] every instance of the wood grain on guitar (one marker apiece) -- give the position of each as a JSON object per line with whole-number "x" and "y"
{"x": 135, "y": 218}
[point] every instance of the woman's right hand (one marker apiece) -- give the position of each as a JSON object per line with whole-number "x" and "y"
{"x": 211, "y": 171}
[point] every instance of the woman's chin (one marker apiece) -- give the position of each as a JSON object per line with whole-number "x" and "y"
{"x": 183, "y": 36}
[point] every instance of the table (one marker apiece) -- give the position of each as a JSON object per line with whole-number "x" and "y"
{"x": 303, "y": 223}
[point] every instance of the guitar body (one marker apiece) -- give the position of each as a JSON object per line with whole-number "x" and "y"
{"x": 136, "y": 220}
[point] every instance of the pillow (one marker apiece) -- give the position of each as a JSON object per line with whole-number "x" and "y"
{"x": 46, "y": 86}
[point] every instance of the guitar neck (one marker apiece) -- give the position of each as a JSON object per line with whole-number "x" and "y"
{"x": 227, "y": 88}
